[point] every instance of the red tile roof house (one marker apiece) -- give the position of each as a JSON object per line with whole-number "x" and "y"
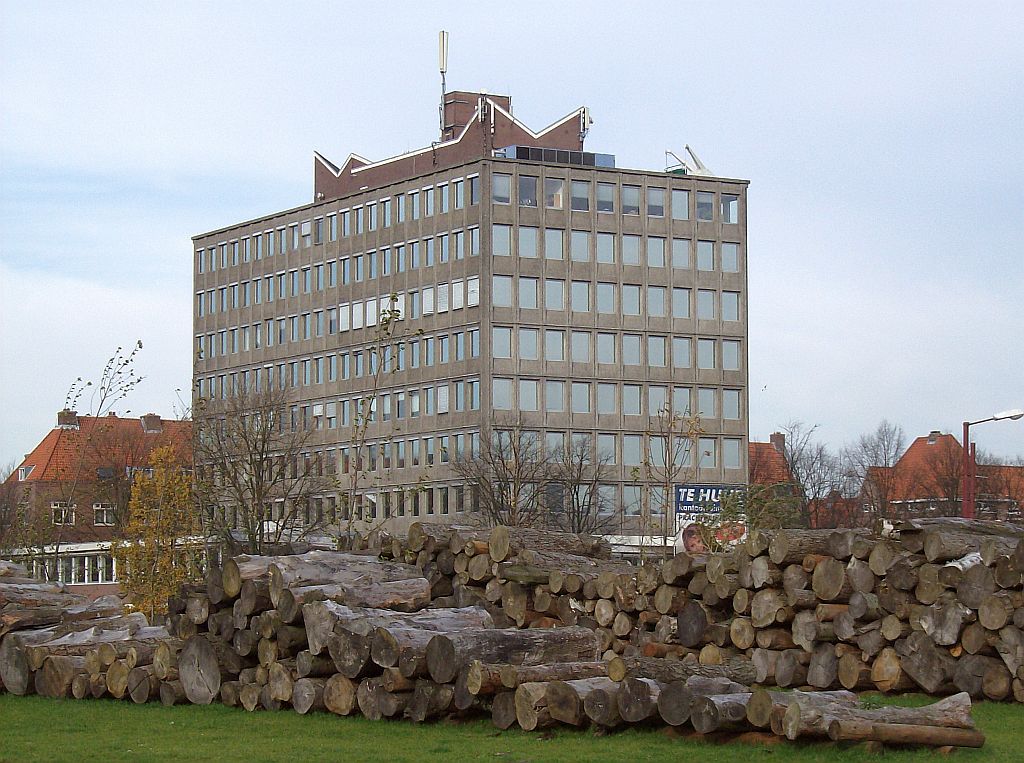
{"x": 74, "y": 488}
{"x": 927, "y": 480}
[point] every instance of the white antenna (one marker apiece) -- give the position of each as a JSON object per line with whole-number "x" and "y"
{"x": 442, "y": 65}
{"x": 701, "y": 169}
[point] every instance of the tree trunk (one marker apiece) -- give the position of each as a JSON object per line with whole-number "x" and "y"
{"x": 54, "y": 678}
{"x": 602, "y": 706}
{"x": 565, "y": 699}
{"x": 510, "y": 676}
{"x": 429, "y": 700}
{"x": 718, "y": 711}
{"x": 504, "y": 542}
{"x": 791, "y": 546}
{"x": 736, "y": 669}
{"x": 202, "y": 664}
{"x": 339, "y": 695}
{"x": 172, "y": 693}
{"x": 638, "y": 699}
{"x": 447, "y": 654}
{"x": 898, "y": 733}
{"x": 143, "y": 685}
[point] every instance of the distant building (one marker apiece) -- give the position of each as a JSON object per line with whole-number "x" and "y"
{"x": 768, "y": 464}
{"x": 73, "y": 491}
{"x": 537, "y": 283}
{"x": 927, "y": 480}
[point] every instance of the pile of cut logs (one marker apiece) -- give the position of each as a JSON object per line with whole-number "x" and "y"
{"x": 538, "y": 628}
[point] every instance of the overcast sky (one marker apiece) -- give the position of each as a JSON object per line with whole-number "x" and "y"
{"x": 884, "y": 144}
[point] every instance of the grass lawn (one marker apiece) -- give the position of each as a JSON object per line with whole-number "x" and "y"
{"x": 37, "y": 729}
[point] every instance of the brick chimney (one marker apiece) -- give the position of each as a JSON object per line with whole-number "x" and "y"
{"x": 459, "y": 107}
{"x": 151, "y": 423}
{"x": 67, "y": 419}
{"x": 778, "y": 441}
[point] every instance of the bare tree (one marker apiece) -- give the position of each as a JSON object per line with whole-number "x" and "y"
{"x": 872, "y": 463}
{"x": 509, "y": 475}
{"x": 817, "y": 471}
{"x": 255, "y": 472}
{"x": 575, "y": 502}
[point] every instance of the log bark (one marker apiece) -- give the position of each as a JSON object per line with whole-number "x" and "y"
{"x": 602, "y": 706}
{"x": 898, "y": 733}
{"x": 339, "y": 695}
{"x": 143, "y": 685}
{"x": 504, "y": 542}
{"x": 429, "y": 700}
{"x": 202, "y": 664}
{"x": 736, "y": 669}
{"x": 54, "y": 678}
{"x": 172, "y": 693}
{"x": 638, "y": 699}
{"x": 565, "y": 699}
{"x": 510, "y": 676}
{"x": 447, "y": 654}
{"x": 719, "y": 711}
{"x": 791, "y": 546}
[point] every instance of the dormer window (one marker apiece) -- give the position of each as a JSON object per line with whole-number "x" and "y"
{"x": 24, "y": 472}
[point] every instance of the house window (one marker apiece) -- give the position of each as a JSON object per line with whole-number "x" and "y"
{"x": 606, "y": 197}
{"x": 730, "y": 208}
{"x": 501, "y": 189}
{"x": 705, "y": 206}
{"x": 103, "y": 515}
{"x": 527, "y": 191}
{"x": 680, "y": 204}
{"x": 656, "y": 202}
{"x": 731, "y": 453}
{"x": 630, "y": 199}
{"x": 554, "y": 193}
{"x": 730, "y": 257}
{"x": 580, "y": 196}
{"x": 63, "y": 514}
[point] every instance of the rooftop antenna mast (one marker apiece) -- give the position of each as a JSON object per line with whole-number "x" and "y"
{"x": 442, "y": 65}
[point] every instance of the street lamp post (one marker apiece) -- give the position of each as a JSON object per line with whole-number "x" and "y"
{"x": 970, "y": 464}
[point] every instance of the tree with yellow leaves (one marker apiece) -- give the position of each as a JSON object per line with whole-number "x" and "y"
{"x": 161, "y": 546}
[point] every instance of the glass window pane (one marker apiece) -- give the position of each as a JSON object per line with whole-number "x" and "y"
{"x": 632, "y": 453}
{"x": 501, "y": 240}
{"x": 579, "y": 246}
{"x": 580, "y": 397}
{"x": 606, "y": 248}
{"x": 501, "y": 342}
{"x": 527, "y": 191}
{"x": 605, "y": 197}
{"x": 553, "y": 244}
{"x": 705, "y": 255}
{"x": 731, "y": 453}
{"x": 730, "y": 404}
{"x": 680, "y": 204}
{"x": 655, "y": 252}
{"x": 708, "y": 452}
{"x": 730, "y": 257}
{"x": 681, "y": 253}
{"x": 554, "y": 294}
{"x": 501, "y": 397}
{"x": 528, "y": 293}
{"x": 656, "y": 202}
{"x": 631, "y": 349}
{"x": 606, "y": 398}
{"x": 706, "y": 402}
{"x": 680, "y": 352}
{"x": 630, "y": 250}
{"x": 656, "y": 351}
{"x": 554, "y": 396}
{"x": 528, "y": 341}
{"x": 501, "y": 191}
{"x": 681, "y": 401}
{"x": 730, "y": 306}
{"x": 501, "y": 291}
{"x": 606, "y": 348}
{"x": 527, "y": 395}
{"x": 730, "y": 355}
{"x": 580, "y": 196}
{"x": 630, "y": 299}
{"x": 631, "y": 399}
{"x": 705, "y": 205}
{"x": 680, "y": 303}
{"x": 657, "y": 399}
{"x": 656, "y": 301}
{"x": 581, "y": 296}
{"x": 730, "y": 208}
{"x": 527, "y": 242}
{"x": 554, "y": 344}
{"x": 630, "y": 199}
{"x": 705, "y": 353}
{"x": 580, "y": 346}
{"x": 606, "y": 448}
{"x": 705, "y": 304}
{"x": 606, "y": 298}
{"x": 554, "y": 192}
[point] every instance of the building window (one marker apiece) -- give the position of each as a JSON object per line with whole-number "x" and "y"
{"x": 501, "y": 396}
{"x": 554, "y": 345}
{"x": 554, "y": 396}
{"x": 630, "y": 299}
{"x": 528, "y": 293}
{"x": 630, "y": 199}
{"x": 606, "y": 197}
{"x": 580, "y": 346}
{"x": 730, "y": 306}
{"x": 554, "y": 246}
{"x": 680, "y": 204}
{"x": 655, "y": 202}
{"x": 579, "y": 246}
{"x": 707, "y": 453}
{"x": 631, "y": 349}
{"x": 630, "y": 250}
{"x": 680, "y": 352}
{"x": 705, "y": 206}
{"x": 103, "y": 515}
{"x": 580, "y": 397}
{"x": 501, "y": 291}
{"x": 529, "y": 344}
{"x": 730, "y": 404}
{"x": 528, "y": 242}
{"x": 657, "y": 400}
{"x": 705, "y": 304}
{"x": 730, "y": 355}
{"x": 730, "y": 257}
{"x": 580, "y": 296}
{"x": 605, "y": 297}
{"x": 527, "y": 191}
{"x": 501, "y": 342}
{"x": 705, "y": 354}
{"x": 606, "y": 398}
{"x": 632, "y": 454}
{"x": 554, "y": 193}
{"x": 656, "y": 351}
{"x": 731, "y": 449}
{"x": 706, "y": 255}
{"x": 501, "y": 240}
{"x": 62, "y": 513}
{"x": 706, "y": 402}
{"x": 554, "y": 294}
{"x": 501, "y": 189}
{"x": 606, "y": 248}
{"x": 606, "y": 348}
{"x": 656, "y": 301}
{"x": 655, "y": 252}
{"x": 730, "y": 208}
{"x": 680, "y": 303}
{"x": 580, "y": 196}
{"x": 527, "y": 394}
